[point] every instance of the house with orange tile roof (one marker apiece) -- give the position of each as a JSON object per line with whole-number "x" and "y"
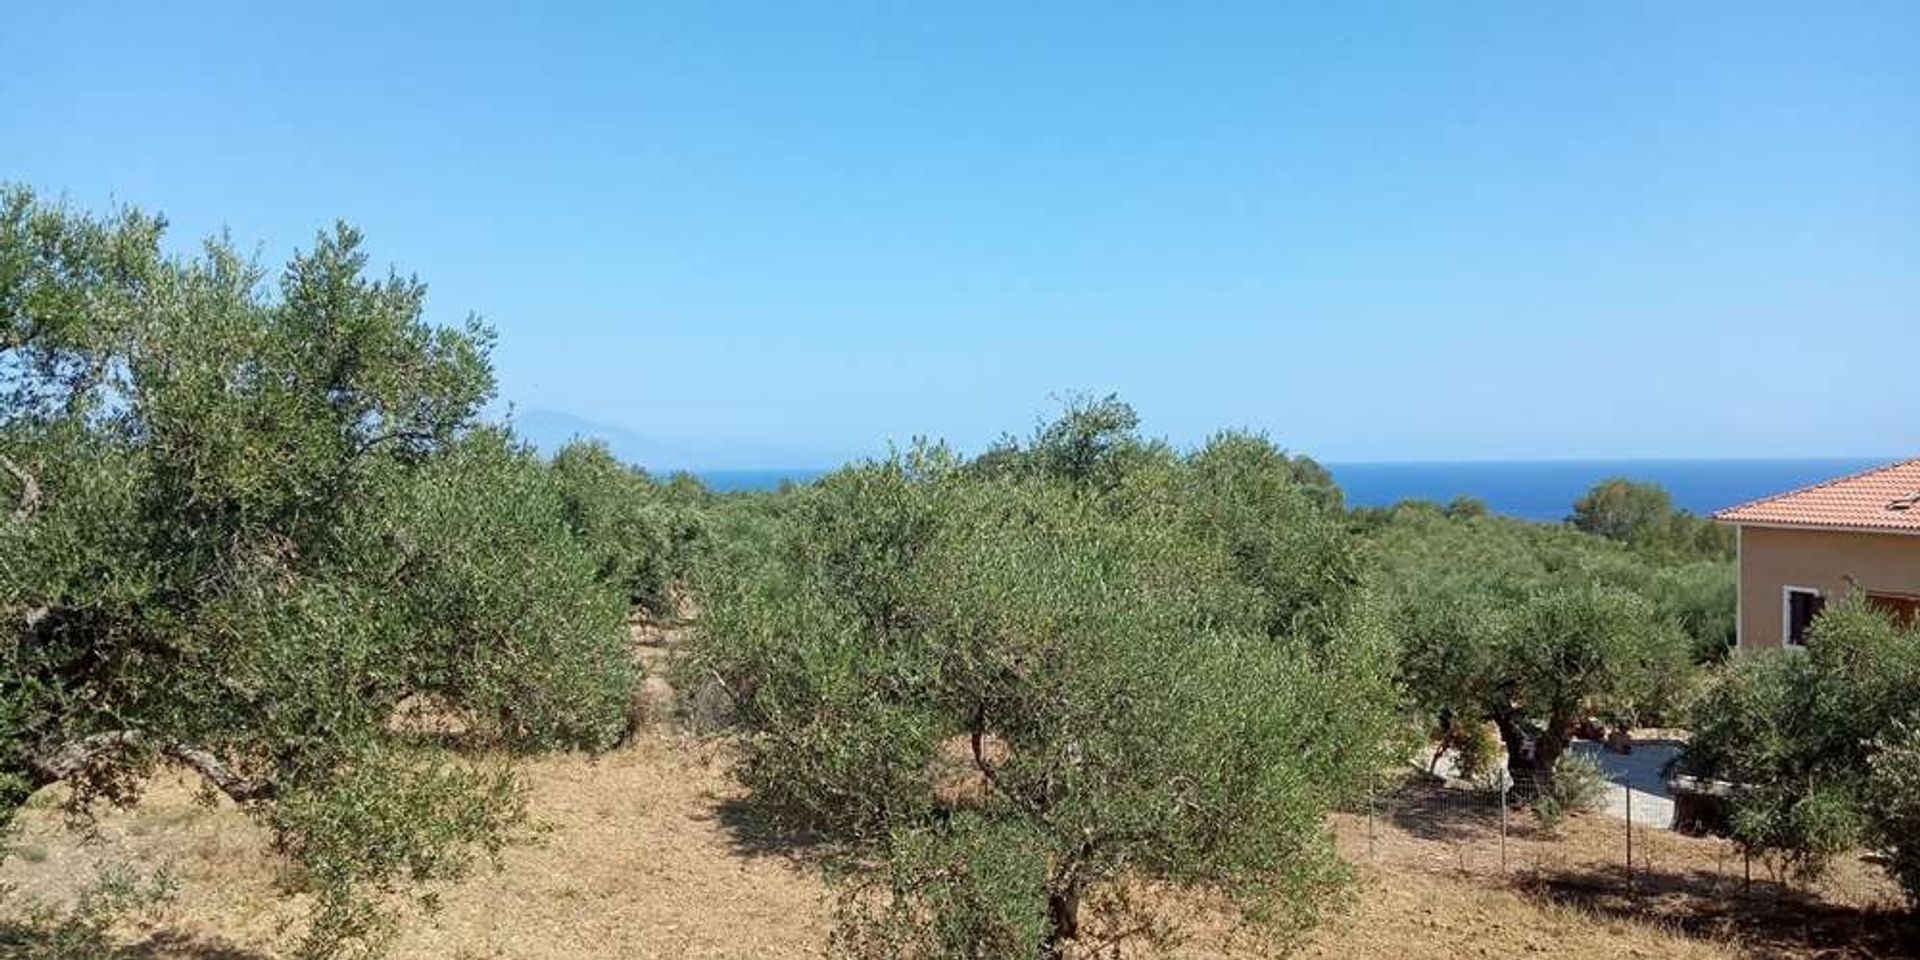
{"x": 1802, "y": 549}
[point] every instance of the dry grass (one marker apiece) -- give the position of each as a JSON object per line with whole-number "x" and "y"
{"x": 1683, "y": 891}
{"x": 643, "y": 855}
{"x": 635, "y": 855}
{"x": 641, "y": 859}
{"x": 1409, "y": 914}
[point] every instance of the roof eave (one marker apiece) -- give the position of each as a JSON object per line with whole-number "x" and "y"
{"x": 1818, "y": 527}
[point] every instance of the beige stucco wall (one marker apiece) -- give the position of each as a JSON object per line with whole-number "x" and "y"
{"x": 1772, "y": 559}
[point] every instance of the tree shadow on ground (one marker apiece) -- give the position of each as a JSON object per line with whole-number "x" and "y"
{"x": 1431, "y": 810}
{"x": 756, "y": 829}
{"x": 170, "y": 945}
{"x": 27, "y": 939}
{"x": 1766, "y": 917}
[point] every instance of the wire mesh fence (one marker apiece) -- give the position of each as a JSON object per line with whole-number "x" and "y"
{"x": 1624, "y": 851}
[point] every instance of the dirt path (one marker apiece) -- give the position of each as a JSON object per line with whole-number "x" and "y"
{"x": 638, "y": 859}
{"x": 638, "y": 862}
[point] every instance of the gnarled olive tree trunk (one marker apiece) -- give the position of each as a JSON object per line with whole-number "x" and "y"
{"x": 1532, "y": 750}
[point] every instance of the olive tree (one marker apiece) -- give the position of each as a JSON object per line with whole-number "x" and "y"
{"x": 1642, "y": 514}
{"x": 1621, "y": 509}
{"x": 1531, "y": 627}
{"x": 1819, "y": 743}
{"x": 1893, "y": 803}
{"x": 1567, "y": 653}
{"x": 1013, "y": 693}
{"x": 642, "y": 534}
{"x": 249, "y": 522}
{"x": 1278, "y": 519}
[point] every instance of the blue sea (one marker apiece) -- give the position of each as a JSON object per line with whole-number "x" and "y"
{"x": 1546, "y": 489}
{"x": 1529, "y": 489}
{"x": 736, "y": 481}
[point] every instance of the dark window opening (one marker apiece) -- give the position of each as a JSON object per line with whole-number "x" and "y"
{"x": 1802, "y": 607}
{"x": 1904, "y": 610}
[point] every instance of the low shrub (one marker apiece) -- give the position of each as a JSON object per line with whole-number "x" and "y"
{"x": 1578, "y": 786}
{"x": 83, "y": 929}
{"x": 1477, "y": 751}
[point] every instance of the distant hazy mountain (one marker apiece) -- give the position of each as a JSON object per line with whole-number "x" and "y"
{"x": 549, "y": 430}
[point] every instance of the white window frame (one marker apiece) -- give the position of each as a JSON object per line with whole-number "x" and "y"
{"x": 1786, "y": 614}
{"x": 1740, "y": 588}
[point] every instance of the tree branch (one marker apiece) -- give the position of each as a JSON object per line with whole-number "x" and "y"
{"x": 366, "y": 447}
{"x": 72, "y": 759}
{"x": 241, "y": 789}
{"x": 29, "y": 489}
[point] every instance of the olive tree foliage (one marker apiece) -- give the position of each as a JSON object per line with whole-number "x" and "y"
{"x": 1893, "y": 803}
{"x": 1016, "y": 690}
{"x": 1093, "y": 443}
{"x": 1642, "y": 514}
{"x": 643, "y": 534}
{"x": 1278, "y": 518}
{"x": 515, "y": 624}
{"x": 1621, "y": 509}
{"x": 247, "y": 523}
{"x": 1819, "y": 744}
{"x": 1703, "y": 598}
{"x": 1556, "y": 656}
{"x": 1534, "y": 628}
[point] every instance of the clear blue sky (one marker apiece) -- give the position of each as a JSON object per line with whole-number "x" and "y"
{"x": 782, "y": 236}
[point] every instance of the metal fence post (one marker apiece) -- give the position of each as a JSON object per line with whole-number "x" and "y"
{"x": 1504, "y": 786}
{"x": 1373, "y": 786}
{"x": 1630, "y": 890}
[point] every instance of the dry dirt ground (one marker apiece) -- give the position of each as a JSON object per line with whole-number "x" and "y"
{"x": 643, "y": 853}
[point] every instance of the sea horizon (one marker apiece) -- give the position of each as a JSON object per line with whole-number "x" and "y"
{"x": 1530, "y": 489}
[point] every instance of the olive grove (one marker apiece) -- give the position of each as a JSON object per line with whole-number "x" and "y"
{"x": 1538, "y": 628}
{"x": 1021, "y": 689}
{"x": 251, "y": 518}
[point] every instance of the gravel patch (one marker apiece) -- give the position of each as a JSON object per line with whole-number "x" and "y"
{"x": 1639, "y": 773}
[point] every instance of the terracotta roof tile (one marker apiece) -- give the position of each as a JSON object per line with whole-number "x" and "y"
{"x": 1882, "y": 499}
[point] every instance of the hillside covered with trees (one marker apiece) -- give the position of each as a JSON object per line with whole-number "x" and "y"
{"x": 258, "y": 529}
